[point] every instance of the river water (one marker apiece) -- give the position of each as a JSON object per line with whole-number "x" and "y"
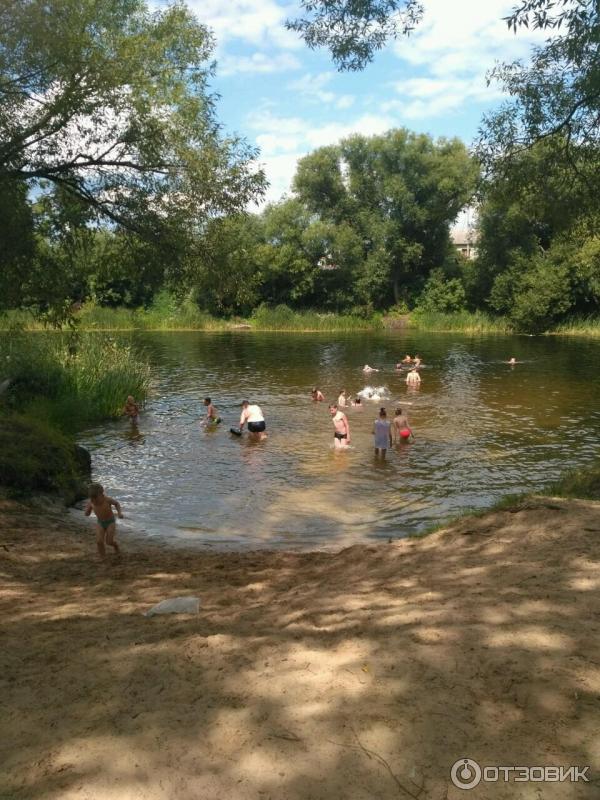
{"x": 482, "y": 429}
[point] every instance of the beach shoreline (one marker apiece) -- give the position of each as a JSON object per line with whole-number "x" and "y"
{"x": 360, "y": 673}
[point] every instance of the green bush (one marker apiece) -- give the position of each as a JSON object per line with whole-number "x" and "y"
{"x": 442, "y": 294}
{"x": 67, "y": 379}
{"x": 35, "y": 457}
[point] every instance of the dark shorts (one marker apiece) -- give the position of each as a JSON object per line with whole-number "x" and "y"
{"x": 340, "y": 436}
{"x": 257, "y": 427}
{"x": 106, "y": 523}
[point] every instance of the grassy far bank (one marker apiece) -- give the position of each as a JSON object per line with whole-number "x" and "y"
{"x": 170, "y": 316}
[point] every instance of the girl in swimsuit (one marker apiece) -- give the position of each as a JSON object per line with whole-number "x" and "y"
{"x": 382, "y": 431}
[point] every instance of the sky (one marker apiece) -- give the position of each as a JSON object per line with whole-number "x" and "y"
{"x": 289, "y": 100}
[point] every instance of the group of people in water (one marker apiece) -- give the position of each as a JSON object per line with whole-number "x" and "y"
{"x": 385, "y": 432}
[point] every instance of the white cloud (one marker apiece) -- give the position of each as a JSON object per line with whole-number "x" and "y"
{"x": 313, "y": 88}
{"x": 258, "y": 22}
{"x": 455, "y": 46}
{"x": 283, "y": 140}
{"x": 429, "y": 97}
{"x": 258, "y": 63}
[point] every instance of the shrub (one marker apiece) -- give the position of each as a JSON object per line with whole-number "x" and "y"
{"x": 442, "y": 294}
{"x": 35, "y": 457}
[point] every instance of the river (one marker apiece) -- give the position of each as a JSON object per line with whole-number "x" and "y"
{"x": 482, "y": 430}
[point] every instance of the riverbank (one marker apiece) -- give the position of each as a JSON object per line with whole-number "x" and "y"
{"x": 188, "y": 317}
{"x": 362, "y": 673}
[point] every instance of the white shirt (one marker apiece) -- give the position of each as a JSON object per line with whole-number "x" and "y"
{"x": 252, "y": 413}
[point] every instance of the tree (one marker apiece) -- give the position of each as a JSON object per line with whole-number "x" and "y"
{"x": 354, "y": 30}
{"x": 398, "y": 193}
{"x": 556, "y": 97}
{"x": 110, "y": 102}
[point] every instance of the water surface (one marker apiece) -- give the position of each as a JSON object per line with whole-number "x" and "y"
{"x": 483, "y": 429}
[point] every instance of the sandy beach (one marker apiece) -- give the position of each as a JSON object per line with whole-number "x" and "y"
{"x": 355, "y": 675}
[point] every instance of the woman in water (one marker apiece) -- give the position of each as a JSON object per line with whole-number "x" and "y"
{"x": 401, "y": 428}
{"x": 382, "y": 430}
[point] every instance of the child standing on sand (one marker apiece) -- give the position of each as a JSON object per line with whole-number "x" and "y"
{"x": 106, "y": 527}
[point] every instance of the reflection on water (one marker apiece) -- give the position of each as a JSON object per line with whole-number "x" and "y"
{"x": 482, "y": 429}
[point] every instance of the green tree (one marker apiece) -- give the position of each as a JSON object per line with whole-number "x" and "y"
{"x": 555, "y": 97}
{"x": 398, "y": 193}
{"x": 110, "y": 102}
{"x": 353, "y": 30}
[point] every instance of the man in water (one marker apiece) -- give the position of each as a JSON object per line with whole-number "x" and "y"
{"x": 413, "y": 378}
{"x": 252, "y": 414}
{"x": 317, "y": 394}
{"x": 341, "y": 433}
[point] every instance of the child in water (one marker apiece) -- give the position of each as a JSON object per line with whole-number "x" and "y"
{"x": 317, "y": 395}
{"x": 212, "y": 418}
{"x": 132, "y": 410}
{"x": 106, "y": 527}
{"x": 402, "y": 431}
{"x": 383, "y": 433}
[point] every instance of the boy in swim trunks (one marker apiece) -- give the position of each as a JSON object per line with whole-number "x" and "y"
{"x": 106, "y": 528}
{"x": 341, "y": 432}
{"x": 212, "y": 418}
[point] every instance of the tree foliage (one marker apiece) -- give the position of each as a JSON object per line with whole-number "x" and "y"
{"x": 354, "y": 30}
{"x": 555, "y": 96}
{"x": 109, "y": 104}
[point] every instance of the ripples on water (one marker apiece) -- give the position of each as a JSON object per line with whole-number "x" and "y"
{"x": 482, "y": 428}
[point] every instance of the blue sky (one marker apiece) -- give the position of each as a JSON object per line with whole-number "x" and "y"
{"x": 289, "y": 100}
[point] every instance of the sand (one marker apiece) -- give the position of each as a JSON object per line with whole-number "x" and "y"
{"x": 355, "y": 675}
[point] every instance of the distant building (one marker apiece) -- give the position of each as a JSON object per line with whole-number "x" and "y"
{"x": 326, "y": 262}
{"x": 465, "y": 241}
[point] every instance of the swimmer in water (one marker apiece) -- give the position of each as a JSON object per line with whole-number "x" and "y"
{"x": 341, "y": 429}
{"x": 132, "y": 410}
{"x": 212, "y": 418}
{"x": 367, "y": 368}
{"x": 382, "y": 430}
{"x": 417, "y": 361}
{"x": 342, "y": 399}
{"x": 400, "y": 426}
{"x": 512, "y": 361}
{"x": 317, "y": 395}
{"x": 413, "y": 378}
{"x": 358, "y": 403}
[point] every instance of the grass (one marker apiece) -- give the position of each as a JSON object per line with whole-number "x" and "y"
{"x": 36, "y": 457}
{"x": 579, "y": 326}
{"x": 69, "y": 380}
{"x": 581, "y": 483}
{"x": 51, "y": 386}
{"x": 167, "y": 315}
{"x": 460, "y": 322}
{"x": 282, "y": 318}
